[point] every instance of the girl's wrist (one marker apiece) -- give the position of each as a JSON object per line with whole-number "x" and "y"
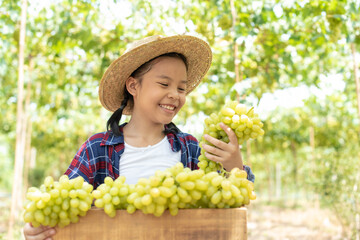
{"x": 238, "y": 164}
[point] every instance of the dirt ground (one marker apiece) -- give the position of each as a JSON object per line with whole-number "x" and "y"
{"x": 266, "y": 222}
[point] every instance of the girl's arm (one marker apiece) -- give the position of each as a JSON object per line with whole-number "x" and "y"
{"x": 79, "y": 166}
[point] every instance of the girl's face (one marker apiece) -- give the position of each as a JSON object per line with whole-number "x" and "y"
{"x": 162, "y": 91}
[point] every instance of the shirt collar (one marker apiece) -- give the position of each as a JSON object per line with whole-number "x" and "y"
{"x": 110, "y": 139}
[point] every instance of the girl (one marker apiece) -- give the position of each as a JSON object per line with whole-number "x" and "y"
{"x": 150, "y": 82}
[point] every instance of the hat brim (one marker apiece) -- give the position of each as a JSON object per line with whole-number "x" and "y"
{"x": 197, "y": 52}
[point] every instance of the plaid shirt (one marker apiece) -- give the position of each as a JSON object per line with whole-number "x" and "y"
{"x": 100, "y": 155}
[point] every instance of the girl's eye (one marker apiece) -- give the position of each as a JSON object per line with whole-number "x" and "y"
{"x": 163, "y": 84}
{"x": 181, "y": 89}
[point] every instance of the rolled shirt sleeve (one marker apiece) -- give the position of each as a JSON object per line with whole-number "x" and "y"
{"x": 250, "y": 174}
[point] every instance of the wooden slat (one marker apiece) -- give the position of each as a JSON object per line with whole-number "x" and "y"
{"x": 188, "y": 224}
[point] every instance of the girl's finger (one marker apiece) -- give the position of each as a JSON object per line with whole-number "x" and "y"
{"x": 34, "y": 233}
{"x": 216, "y": 142}
{"x": 30, "y": 230}
{"x": 213, "y": 157}
{"x": 47, "y": 234}
{"x": 231, "y": 134}
{"x": 213, "y": 150}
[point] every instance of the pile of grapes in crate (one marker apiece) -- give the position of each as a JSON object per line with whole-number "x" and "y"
{"x": 58, "y": 202}
{"x": 173, "y": 189}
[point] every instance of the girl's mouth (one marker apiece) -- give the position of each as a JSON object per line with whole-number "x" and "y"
{"x": 168, "y": 107}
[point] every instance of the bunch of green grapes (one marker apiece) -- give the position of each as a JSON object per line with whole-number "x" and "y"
{"x": 173, "y": 189}
{"x": 152, "y": 195}
{"x": 111, "y": 195}
{"x": 221, "y": 191}
{"x": 243, "y": 121}
{"x": 58, "y": 203}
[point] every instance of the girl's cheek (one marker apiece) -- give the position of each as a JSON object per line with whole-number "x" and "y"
{"x": 183, "y": 100}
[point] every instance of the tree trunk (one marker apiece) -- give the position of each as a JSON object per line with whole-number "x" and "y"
{"x": 356, "y": 76}
{"x": 312, "y": 146}
{"x": 295, "y": 172}
{"x": 236, "y": 50}
{"x": 357, "y": 226}
{"x": 278, "y": 181}
{"x": 357, "y": 82}
{"x": 28, "y": 127}
{"x": 27, "y": 165}
{"x": 16, "y": 196}
{"x": 269, "y": 174}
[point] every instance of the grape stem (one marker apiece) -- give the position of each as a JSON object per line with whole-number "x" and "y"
{"x": 251, "y": 109}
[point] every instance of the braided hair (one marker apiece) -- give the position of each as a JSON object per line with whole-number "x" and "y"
{"x": 113, "y": 122}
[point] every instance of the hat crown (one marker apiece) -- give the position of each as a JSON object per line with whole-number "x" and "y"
{"x": 143, "y": 41}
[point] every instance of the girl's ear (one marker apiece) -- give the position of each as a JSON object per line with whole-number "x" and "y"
{"x": 131, "y": 85}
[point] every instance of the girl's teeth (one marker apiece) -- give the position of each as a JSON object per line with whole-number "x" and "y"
{"x": 167, "y": 107}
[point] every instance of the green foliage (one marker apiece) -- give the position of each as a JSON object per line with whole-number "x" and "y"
{"x": 281, "y": 44}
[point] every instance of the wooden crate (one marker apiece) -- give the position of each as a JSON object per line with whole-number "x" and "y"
{"x": 188, "y": 224}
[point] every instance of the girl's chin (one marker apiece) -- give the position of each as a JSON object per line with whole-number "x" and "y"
{"x": 168, "y": 116}
{"x": 166, "y": 120}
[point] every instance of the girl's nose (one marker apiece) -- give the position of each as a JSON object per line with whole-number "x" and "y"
{"x": 173, "y": 93}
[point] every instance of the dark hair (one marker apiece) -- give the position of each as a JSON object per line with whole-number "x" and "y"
{"x": 114, "y": 121}
{"x": 171, "y": 128}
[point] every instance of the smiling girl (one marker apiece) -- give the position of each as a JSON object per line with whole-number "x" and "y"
{"x": 150, "y": 82}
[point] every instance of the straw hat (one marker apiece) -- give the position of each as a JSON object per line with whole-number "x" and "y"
{"x": 196, "y": 51}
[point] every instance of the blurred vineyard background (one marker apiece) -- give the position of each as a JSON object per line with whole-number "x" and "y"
{"x": 296, "y": 62}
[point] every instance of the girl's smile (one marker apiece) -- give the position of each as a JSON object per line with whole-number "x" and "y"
{"x": 169, "y": 108}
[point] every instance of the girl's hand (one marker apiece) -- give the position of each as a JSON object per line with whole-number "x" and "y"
{"x": 228, "y": 154}
{"x": 38, "y": 233}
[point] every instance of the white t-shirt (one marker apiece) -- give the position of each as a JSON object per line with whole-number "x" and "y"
{"x": 142, "y": 162}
